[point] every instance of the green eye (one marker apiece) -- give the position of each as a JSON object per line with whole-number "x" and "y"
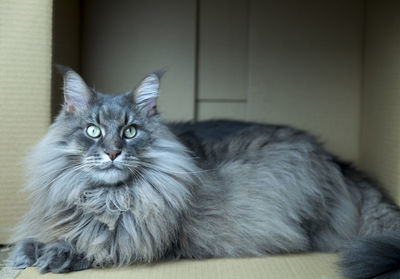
{"x": 130, "y": 132}
{"x": 93, "y": 131}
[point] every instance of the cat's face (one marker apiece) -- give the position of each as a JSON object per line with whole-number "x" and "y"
{"x": 108, "y": 134}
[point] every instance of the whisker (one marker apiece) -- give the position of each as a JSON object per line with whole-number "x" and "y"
{"x": 136, "y": 174}
{"x": 72, "y": 169}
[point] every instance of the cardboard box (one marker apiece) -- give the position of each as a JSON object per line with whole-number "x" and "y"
{"x": 309, "y": 266}
{"x": 330, "y": 67}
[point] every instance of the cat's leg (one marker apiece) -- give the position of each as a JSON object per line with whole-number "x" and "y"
{"x": 59, "y": 257}
{"x": 25, "y": 253}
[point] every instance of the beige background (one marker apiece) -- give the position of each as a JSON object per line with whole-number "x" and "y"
{"x": 317, "y": 65}
{"x": 287, "y": 62}
{"x": 25, "y": 59}
{"x": 123, "y": 42}
{"x": 380, "y": 134}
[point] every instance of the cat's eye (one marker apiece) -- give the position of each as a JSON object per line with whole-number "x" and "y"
{"x": 130, "y": 132}
{"x": 93, "y": 131}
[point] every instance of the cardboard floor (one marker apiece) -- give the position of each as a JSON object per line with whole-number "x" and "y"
{"x": 306, "y": 266}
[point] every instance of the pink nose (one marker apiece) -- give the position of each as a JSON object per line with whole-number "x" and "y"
{"x": 112, "y": 154}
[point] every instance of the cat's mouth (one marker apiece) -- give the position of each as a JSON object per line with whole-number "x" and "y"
{"x": 110, "y": 173}
{"x": 110, "y": 166}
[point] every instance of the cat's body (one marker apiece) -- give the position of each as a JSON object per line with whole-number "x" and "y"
{"x": 112, "y": 185}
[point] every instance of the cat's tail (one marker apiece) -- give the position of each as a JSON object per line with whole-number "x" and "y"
{"x": 372, "y": 257}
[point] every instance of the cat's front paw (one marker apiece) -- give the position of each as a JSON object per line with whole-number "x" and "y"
{"x": 59, "y": 258}
{"x": 25, "y": 253}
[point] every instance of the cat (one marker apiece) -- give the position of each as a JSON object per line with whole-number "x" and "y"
{"x": 111, "y": 184}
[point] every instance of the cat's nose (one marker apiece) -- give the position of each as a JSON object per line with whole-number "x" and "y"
{"x": 112, "y": 153}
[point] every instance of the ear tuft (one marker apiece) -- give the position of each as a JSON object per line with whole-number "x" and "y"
{"x": 146, "y": 94}
{"x": 77, "y": 94}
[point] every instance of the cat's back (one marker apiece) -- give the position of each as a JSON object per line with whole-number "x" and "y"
{"x": 216, "y": 141}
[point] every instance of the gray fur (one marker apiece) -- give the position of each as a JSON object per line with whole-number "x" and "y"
{"x": 188, "y": 190}
{"x": 372, "y": 257}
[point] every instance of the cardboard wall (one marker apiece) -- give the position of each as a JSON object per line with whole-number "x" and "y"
{"x": 380, "y": 134}
{"x": 66, "y": 48}
{"x": 25, "y": 67}
{"x": 288, "y": 62}
{"x": 292, "y": 62}
{"x": 123, "y": 42}
{"x": 237, "y": 59}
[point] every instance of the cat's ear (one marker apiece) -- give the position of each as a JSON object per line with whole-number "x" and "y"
{"x": 146, "y": 93}
{"x": 77, "y": 94}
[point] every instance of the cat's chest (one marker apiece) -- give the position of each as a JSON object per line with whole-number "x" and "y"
{"x": 118, "y": 210}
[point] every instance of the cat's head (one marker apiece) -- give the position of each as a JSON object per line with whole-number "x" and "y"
{"x": 107, "y": 135}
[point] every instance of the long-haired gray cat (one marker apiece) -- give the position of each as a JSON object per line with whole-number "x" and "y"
{"x": 112, "y": 185}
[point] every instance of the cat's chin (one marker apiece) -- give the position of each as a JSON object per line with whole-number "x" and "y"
{"x": 110, "y": 176}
